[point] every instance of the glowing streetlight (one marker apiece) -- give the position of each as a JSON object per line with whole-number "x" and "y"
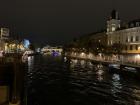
{"x": 139, "y": 48}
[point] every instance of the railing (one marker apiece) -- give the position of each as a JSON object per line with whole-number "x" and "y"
{"x": 100, "y": 58}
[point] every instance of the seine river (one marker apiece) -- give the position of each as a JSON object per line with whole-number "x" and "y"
{"x": 58, "y": 81}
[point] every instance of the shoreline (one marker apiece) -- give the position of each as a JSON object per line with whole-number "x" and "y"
{"x": 105, "y": 62}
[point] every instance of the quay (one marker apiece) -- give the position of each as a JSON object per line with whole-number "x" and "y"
{"x": 132, "y": 70}
{"x": 105, "y": 62}
{"x": 11, "y": 79}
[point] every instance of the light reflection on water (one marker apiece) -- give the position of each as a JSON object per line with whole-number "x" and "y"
{"x": 72, "y": 81}
{"x": 116, "y": 84}
{"x": 100, "y": 74}
{"x": 30, "y": 63}
{"x": 82, "y": 63}
{"x": 73, "y": 62}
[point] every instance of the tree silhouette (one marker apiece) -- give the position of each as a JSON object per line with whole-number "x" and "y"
{"x": 31, "y": 47}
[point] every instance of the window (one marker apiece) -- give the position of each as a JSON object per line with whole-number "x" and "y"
{"x": 113, "y": 28}
{"x": 136, "y": 47}
{"x": 131, "y": 38}
{"x": 127, "y": 39}
{"x": 134, "y": 38}
{"x": 119, "y": 25}
{"x": 137, "y": 38}
{"x": 107, "y": 29}
{"x": 111, "y": 42}
{"x": 137, "y": 24}
{"x": 131, "y": 47}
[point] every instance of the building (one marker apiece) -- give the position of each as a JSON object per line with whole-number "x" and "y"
{"x": 114, "y": 22}
{"x": 9, "y": 45}
{"x": 129, "y": 37}
{"x": 4, "y": 36}
{"x": 100, "y": 37}
{"x": 4, "y": 33}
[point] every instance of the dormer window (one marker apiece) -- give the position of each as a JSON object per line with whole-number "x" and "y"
{"x": 137, "y": 24}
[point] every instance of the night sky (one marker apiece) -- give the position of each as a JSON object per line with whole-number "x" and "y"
{"x": 59, "y": 21}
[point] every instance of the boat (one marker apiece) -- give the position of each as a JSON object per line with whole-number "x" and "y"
{"x": 130, "y": 69}
{"x": 114, "y": 68}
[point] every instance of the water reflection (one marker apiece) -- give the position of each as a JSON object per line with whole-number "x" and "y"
{"x": 30, "y": 63}
{"x": 78, "y": 82}
{"x": 73, "y": 63}
{"x": 116, "y": 84}
{"x": 83, "y": 63}
{"x": 100, "y": 75}
{"x": 90, "y": 65}
{"x": 99, "y": 72}
{"x": 65, "y": 59}
{"x": 136, "y": 94}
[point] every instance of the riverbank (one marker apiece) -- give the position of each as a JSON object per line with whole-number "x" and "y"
{"x": 125, "y": 70}
{"x": 54, "y": 80}
{"x": 11, "y": 79}
{"x": 104, "y": 59}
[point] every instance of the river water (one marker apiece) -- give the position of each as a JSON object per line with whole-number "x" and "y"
{"x": 58, "y": 81}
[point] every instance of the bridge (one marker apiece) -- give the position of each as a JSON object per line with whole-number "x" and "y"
{"x": 52, "y": 50}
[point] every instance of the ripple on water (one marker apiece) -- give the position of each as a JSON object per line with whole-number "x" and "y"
{"x": 53, "y": 81}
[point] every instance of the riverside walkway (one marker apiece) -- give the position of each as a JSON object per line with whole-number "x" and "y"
{"x": 107, "y": 62}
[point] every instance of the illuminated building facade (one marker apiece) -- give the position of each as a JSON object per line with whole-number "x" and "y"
{"x": 4, "y": 33}
{"x": 114, "y": 22}
{"x": 4, "y": 36}
{"x": 129, "y": 37}
{"x": 9, "y": 45}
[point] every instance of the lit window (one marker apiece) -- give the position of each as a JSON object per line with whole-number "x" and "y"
{"x": 128, "y": 39}
{"x": 137, "y": 38}
{"x": 113, "y": 24}
{"x": 119, "y": 25}
{"x": 107, "y": 29}
{"x": 139, "y": 48}
{"x": 136, "y": 47}
{"x": 111, "y": 42}
{"x": 137, "y": 24}
{"x": 113, "y": 28}
{"x": 134, "y": 39}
